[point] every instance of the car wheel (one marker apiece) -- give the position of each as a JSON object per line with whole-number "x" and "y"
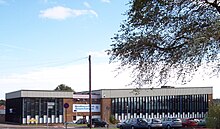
{"x": 132, "y": 127}
{"x": 106, "y": 125}
{"x": 149, "y": 127}
{"x": 168, "y": 127}
{"x": 121, "y": 127}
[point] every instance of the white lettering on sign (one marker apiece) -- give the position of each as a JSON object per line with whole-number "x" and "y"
{"x": 85, "y": 107}
{"x": 50, "y": 107}
{"x": 50, "y": 103}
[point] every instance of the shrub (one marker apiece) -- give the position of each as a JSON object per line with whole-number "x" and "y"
{"x": 113, "y": 120}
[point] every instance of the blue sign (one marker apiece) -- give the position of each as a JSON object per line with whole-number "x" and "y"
{"x": 66, "y": 105}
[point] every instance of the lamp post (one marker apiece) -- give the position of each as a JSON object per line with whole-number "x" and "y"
{"x": 90, "y": 94}
{"x": 66, "y": 105}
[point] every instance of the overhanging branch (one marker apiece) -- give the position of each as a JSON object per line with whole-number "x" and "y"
{"x": 215, "y": 4}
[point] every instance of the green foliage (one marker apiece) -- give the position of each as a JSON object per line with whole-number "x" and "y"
{"x": 63, "y": 87}
{"x": 213, "y": 118}
{"x": 2, "y": 102}
{"x": 171, "y": 39}
{"x": 113, "y": 120}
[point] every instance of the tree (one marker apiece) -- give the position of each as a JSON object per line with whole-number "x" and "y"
{"x": 2, "y": 102}
{"x": 164, "y": 40}
{"x": 213, "y": 118}
{"x": 63, "y": 87}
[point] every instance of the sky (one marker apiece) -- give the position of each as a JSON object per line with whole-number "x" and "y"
{"x": 44, "y": 43}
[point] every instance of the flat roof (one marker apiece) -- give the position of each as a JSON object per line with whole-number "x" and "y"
{"x": 140, "y": 92}
{"x": 46, "y": 94}
{"x": 39, "y": 93}
{"x": 112, "y": 93}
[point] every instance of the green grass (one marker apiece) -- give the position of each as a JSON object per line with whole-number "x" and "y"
{"x": 85, "y": 125}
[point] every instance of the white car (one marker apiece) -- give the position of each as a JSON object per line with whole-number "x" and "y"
{"x": 154, "y": 123}
{"x": 171, "y": 122}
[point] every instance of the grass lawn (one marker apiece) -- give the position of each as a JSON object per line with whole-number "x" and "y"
{"x": 85, "y": 126}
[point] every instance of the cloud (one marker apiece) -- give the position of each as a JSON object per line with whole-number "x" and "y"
{"x": 104, "y": 76}
{"x": 75, "y": 76}
{"x": 62, "y": 13}
{"x": 105, "y": 1}
{"x": 87, "y": 4}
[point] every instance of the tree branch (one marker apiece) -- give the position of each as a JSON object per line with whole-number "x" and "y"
{"x": 172, "y": 47}
{"x": 166, "y": 48}
{"x": 214, "y": 4}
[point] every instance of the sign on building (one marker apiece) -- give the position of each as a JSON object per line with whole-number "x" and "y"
{"x": 50, "y": 105}
{"x": 85, "y": 107}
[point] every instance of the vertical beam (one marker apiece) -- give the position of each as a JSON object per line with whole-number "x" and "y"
{"x": 23, "y": 104}
{"x": 90, "y": 94}
{"x": 39, "y": 110}
{"x": 47, "y": 114}
{"x": 66, "y": 118}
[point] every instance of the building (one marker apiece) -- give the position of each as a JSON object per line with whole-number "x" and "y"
{"x": 36, "y": 106}
{"x": 2, "y": 113}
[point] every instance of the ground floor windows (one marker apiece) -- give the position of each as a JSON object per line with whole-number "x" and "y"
{"x": 160, "y": 106}
{"x": 36, "y": 110}
{"x": 157, "y": 115}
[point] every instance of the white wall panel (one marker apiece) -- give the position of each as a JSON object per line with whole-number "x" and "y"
{"x": 116, "y": 93}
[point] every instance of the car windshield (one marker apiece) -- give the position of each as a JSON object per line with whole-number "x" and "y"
{"x": 175, "y": 119}
{"x": 97, "y": 119}
{"x": 142, "y": 120}
{"x": 126, "y": 121}
{"x": 156, "y": 120}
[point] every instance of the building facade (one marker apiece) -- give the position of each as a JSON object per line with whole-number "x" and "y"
{"x": 2, "y": 113}
{"x": 29, "y": 106}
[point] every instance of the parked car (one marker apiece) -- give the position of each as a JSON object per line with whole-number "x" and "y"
{"x": 81, "y": 121}
{"x": 189, "y": 122}
{"x": 171, "y": 122}
{"x": 154, "y": 123}
{"x": 118, "y": 125}
{"x": 202, "y": 122}
{"x": 133, "y": 123}
{"x": 97, "y": 122}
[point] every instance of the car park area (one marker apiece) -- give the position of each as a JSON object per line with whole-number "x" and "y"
{"x": 164, "y": 123}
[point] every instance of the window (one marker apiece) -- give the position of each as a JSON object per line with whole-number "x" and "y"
{"x": 116, "y": 105}
{"x": 122, "y": 105}
{"x": 74, "y": 117}
{"x": 119, "y": 106}
{"x": 113, "y": 106}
